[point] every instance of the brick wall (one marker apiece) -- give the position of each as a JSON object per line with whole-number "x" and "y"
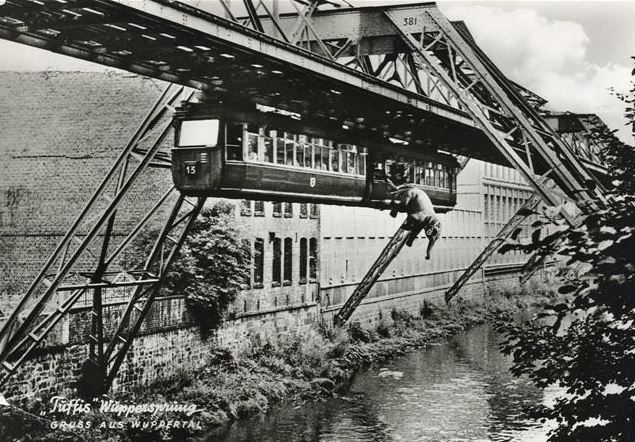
{"x": 60, "y": 134}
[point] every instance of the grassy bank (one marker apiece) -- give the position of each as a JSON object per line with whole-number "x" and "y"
{"x": 304, "y": 365}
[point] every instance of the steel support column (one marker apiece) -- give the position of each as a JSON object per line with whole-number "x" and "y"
{"x": 493, "y": 245}
{"x": 389, "y": 253}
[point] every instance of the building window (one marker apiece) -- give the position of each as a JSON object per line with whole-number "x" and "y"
{"x": 288, "y": 210}
{"x": 485, "y": 208}
{"x": 288, "y": 261}
{"x": 313, "y": 259}
{"x": 304, "y": 256}
{"x": 314, "y": 210}
{"x": 259, "y": 261}
{"x": 245, "y": 208}
{"x": 498, "y": 208}
{"x": 304, "y": 210}
{"x": 247, "y": 246}
{"x": 259, "y": 208}
{"x": 503, "y": 208}
{"x": 277, "y": 209}
{"x": 277, "y": 262}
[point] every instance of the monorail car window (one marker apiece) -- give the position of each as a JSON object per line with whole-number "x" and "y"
{"x": 317, "y": 155}
{"x": 253, "y": 142}
{"x": 419, "y": 171}
{"x": 300, "y": 147}
{"x": 289, "y": 147}
{"x": 267, "y": 141}
{"x": 198, "y": 133}
{"x": 335, "y": 159}
{"x": 378, "y": 171}
{"x": 281, "y": 151}
{"x": 234, "y": 141}
{"x": 326, "y": 155}
{"x": 346, "y": 162}
{"x": 304, "y": 147}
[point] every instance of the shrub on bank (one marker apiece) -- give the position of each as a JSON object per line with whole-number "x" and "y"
{"x": 210, "y": 269}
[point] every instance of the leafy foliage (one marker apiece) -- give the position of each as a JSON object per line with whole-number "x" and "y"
{"x": 212, "y": 266}
{"x": 585, "y": 342}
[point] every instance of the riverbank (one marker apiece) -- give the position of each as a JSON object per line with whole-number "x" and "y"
{"x": 303, "y": 366}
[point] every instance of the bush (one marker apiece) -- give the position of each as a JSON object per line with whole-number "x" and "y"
{"x": 211, "y": 268}
{"x": 360, "y": 334}
{"x": 383, "y": 328}
{"x": 403, "y": 316}
{"x": 303, "y": 353}
{"x": 425, "y": 310}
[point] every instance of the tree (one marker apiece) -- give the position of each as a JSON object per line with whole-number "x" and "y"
{"x": 211, "y": 268}
{"x": 585, "y": 342}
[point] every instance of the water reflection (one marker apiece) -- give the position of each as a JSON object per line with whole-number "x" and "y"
{"x": 452, "y": 391}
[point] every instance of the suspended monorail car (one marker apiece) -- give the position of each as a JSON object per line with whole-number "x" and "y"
{"x": 263, "y": 156}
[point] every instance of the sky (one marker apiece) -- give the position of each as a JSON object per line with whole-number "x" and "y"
{"x": 569, "y": 52}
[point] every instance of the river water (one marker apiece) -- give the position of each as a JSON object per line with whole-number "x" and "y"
{"x": 455, "y": 390}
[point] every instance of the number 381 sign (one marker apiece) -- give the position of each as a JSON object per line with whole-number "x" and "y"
{"x": 409, "y": 21}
